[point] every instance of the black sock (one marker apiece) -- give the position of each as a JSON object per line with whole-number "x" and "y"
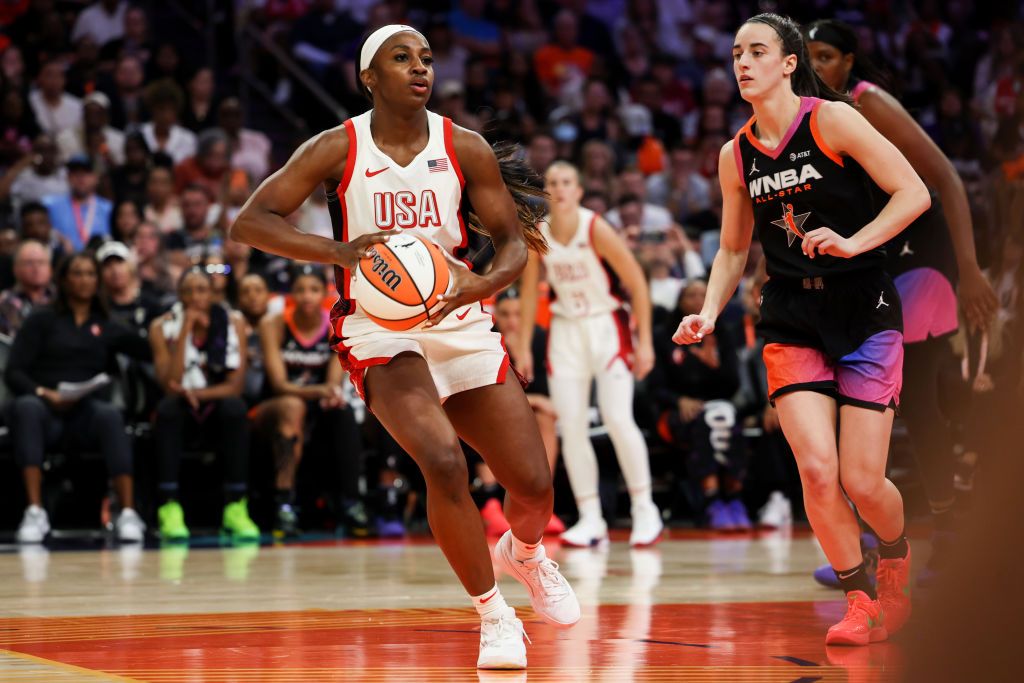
{"x": 856, "y": 579}
{"x": 284, "y": 497}
{"x": 893, "y": 550}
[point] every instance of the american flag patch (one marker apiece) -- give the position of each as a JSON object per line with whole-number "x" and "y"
{"x": 437, "y": 165}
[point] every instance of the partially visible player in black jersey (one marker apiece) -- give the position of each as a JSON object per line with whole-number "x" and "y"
{"x": 303, "y": 383}
{"x": 801, "y": 171}
{"x": 925, "y": 260}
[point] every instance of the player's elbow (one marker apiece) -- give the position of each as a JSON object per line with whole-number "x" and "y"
{"x": 922, "y": 200}
{"x": 242, "y": 229}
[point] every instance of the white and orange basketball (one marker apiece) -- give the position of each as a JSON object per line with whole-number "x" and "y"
{"x": 398, "y": 284}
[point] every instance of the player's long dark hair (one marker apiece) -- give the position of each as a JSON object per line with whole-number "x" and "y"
{"x": 524, "y": 185}
{"x": 842, "y": 37}
{"x": 805, "y": 81}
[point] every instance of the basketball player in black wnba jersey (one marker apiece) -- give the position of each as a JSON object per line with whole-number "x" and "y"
{"x": 304, "y": 385}
{"x": 926, "y": 261}
{"x": 799, "y": 172}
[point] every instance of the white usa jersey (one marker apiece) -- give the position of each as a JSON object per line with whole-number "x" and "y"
{"x": 582, "y": 284}
{"x": 425, "y": 196}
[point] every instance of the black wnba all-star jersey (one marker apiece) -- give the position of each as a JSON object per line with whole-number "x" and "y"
{"x": 800, "y": 186}
{"x": 306, "y": 360}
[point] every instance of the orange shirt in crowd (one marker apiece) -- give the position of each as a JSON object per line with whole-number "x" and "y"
{"x": 553, "y": 62}
{"x": 188, "y": 172}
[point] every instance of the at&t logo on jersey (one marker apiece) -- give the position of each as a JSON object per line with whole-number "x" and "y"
{"x": 781, "y": 183}
{"x": 405, "y": 210}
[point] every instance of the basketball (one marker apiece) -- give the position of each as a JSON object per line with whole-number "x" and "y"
{"x": 397, "y": 285}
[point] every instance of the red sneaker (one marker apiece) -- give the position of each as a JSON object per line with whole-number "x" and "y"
{"x": 555, "y": 526}
{"x": 493, "y": 515}
{"x": 862, "y": 624}
{"x": 894, "y": 591}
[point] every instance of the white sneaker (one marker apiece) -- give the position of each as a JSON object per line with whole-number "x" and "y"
{"x": 586, "y": 532}
{"x": 777, "y": 513}
{"x": 551, "y": 595}
{"x": 35, "y": 524}
{"x": 501, "y": 641}
{"x": 647, "y": 525}
{"x": 129, "y": 526}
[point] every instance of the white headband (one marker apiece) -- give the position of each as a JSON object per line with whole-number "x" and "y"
{"x": 377, "y": 38}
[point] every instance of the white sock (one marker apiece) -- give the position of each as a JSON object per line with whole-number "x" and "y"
{"x": 589, "y": 508}
{"x": 489, "y": 603}
{"x": 521, "y": 552}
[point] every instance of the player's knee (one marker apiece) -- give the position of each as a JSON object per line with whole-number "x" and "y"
{"x": 819, "y": 478}
{"x": 864, "y": 490}
{"x": 535, "y": 488}
{"x": 445, "y": 471}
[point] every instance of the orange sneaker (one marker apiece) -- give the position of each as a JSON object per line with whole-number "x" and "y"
{"x": 863, "y": 623}
{"x": 555, "y": 526}
{"x": 894, "y": 591}
{"x": 495, "y": 524}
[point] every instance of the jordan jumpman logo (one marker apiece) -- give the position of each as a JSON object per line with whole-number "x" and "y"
{"x": 906, "y": 251}
{"x": 753, "y": 168}
{"x": 881, "y": 301}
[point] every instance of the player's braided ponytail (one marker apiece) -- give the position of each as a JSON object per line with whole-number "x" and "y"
{"x": 524, "y": 185}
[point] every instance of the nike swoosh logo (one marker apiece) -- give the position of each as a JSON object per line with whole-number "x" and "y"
{"x": 485, "y": 600}
{"x": 463, "y": 316}
{"x": 370, "y": 174}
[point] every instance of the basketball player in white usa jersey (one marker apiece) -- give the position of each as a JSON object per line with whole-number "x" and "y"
{"x": 400, "y": 167}
{"x": 591, "y": 339}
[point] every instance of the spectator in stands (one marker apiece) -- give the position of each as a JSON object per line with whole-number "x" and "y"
{"x": 32, "y": 286}
{"x": 162, "y": 207}
{"x": 122, "y": 290}
{"x": 156, "y": 272}
{"x": 135, "y": 41}
{"x": 80, "y": 214}
{"x": 648, "y": 92}
{"x": 200, "y": 364}
{"x": 540, "y": 152}
{"x": 198, "y": 236}
{"x": 680, "y": 188}
{"x": 54, "y": 109}
{"x": 449, "y": 56}
{"x": 18, "y": 126}
{"x": 128, "y": 181}
{"x": 249, "y": 149}
{"x": 592, "y": 121}
{"x": 95, "y": 123}
{"x": 73, "y": 341}
{"x": 632, "y": 210}
{"x": 597, "y": 172}
{"x": 693, "y": 386}
{"x": 253, "y": 304}
{"x": 211, "y": 168}
{"x": 473, "y": 30}
{"x": 563, "y": 65}
{"x": 452, "y": 103}
{"x": 163, "y": 134}
{"x": 35, "y": 225}
{"x": 127, "y": 219}
{"x": 306, "y": 399}
{"x": 101, "y": 21}
{"x": 127, "y": 103}
{"x": 12, "y": 69}
{"x": 37, "y": 175}
{"x": 200, "y": 101}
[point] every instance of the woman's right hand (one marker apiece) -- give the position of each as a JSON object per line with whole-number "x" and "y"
{"x": 523, "y": 361}
{"x": 693, "y": 329}
{"x": 350, "y": 253}
{"x": 54, "y": 399}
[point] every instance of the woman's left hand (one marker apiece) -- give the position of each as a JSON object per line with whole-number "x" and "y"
{"x": 467, "y": 288}
{"x": 826, "y": 241}
{"x": 643, "y": 361}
